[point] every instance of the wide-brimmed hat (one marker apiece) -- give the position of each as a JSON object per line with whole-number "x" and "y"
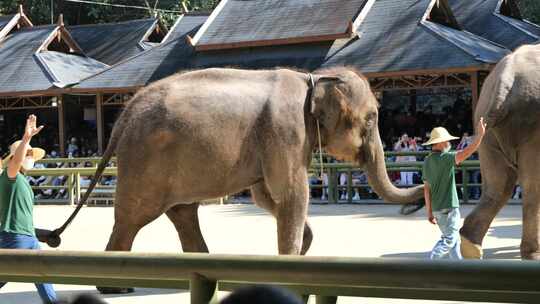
{"x": 439, "y": 135}
{"x": 37, "y": 153}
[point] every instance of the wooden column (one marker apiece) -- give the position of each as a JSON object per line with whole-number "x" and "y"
{"x": 99, "y": 122}
{"x": 475, "y": 88}
{"x": 61, "y": 126}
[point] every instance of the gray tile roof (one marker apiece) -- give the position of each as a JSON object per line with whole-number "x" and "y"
{"x": 4, "y": 20}
{"x": 113, "y": 42}
{"x": 391, "y": 38}
{"x": 166, "y": 59}
{"x": 23, "y": 71}
{"x": 480, "y": 18}
{"x": 240, "y": 21}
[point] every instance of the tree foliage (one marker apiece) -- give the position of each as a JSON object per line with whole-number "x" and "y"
{"x": 39, "y": 11}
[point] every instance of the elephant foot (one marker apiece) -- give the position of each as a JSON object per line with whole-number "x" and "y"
{"x": 115, "y": 290}
{"x": 306, "y": 242}
{"x": 470, "y": 250}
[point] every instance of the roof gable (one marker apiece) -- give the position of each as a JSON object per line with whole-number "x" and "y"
{"x": 113, "y": 42}
{"x": 250, "y": 23}
{"x": 10, "y": 23}
{"x": 496, "y": 20}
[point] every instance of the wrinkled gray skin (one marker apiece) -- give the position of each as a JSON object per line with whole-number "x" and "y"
{"x": 510, "y": 100}
{"x": 209, "y": 133}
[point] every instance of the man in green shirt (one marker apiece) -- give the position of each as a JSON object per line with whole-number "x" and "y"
{"x": 17, "y": 200}
{"x": 440, "y": 192}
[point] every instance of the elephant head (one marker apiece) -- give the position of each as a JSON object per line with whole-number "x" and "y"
{"x": 347, "y": 111}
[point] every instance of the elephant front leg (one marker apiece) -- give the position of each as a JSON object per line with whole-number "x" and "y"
{"x": 291, "y": 217}
{"x": 262, "y": 197}
{"x": 498, "y": 181}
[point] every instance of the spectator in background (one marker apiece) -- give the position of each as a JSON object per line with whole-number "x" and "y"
{"x": 72, "y": 147}
{"x": 405, "y": 144}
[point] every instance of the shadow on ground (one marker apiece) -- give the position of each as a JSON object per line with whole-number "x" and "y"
{"x": 501, "y": 253}
{"x": 31, "y": 297}
{"x": 506, "y": 232}
{"x": 354, "y": 210}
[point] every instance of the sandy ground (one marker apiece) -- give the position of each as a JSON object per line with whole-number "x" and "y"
{"x": 339, "y": 230}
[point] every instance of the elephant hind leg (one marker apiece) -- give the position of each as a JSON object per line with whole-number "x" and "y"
{"x": 128, "y": 222}
{"x": 263, "y": 199}
{"x": 498, "y": 181}
{"x": 530, "y": 182}
{"x": 185, "y": 218}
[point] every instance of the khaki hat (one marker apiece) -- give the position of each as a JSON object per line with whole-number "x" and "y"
{"x": 37, "y": 153}
{"x": 439, "y": 135}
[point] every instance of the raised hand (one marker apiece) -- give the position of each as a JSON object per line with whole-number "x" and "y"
{"x": 31, "y": 130}
{"x": 481, "y": 127}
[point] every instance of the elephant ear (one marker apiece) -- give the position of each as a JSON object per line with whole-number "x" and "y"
{"x": 325, "y": 97}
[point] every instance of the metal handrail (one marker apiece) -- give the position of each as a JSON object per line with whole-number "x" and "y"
{"x": 333, "y": 170}
{"x": 325, "y": 277}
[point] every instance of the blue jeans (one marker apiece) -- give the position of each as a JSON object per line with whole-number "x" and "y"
{"x": 21, "y": 241}
{"x": 449, "y": 244}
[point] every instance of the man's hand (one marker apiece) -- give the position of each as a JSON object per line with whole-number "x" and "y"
{"x": 432, "y": 219}
{"x": 470, "y": 149}
{"x": 31, "y": 130}
{"x": 481, "y": 127}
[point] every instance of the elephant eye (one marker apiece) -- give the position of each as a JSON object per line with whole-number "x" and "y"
{"x": 370, "y": 119}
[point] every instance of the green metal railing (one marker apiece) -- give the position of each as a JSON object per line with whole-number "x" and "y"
{"x": 325, "y": 277}
{"x": 333, "y": 170}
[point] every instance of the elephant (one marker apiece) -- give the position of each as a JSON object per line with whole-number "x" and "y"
{"x": 510, "y": 103}
{"x": 208, "y": 133}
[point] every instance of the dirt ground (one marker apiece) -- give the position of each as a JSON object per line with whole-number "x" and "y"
{"x": 339, "y": 230}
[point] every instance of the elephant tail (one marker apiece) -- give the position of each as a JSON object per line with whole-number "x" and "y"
{"x": 117, "y": 132}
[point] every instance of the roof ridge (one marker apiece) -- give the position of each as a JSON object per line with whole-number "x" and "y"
{"x": 428, "y": 24}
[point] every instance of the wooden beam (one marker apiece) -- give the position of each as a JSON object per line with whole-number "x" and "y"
{"x": 61, "y": 126}
{"x": 285, "y": 41}
{"x": 99, "y": 112}
{"x": 483, "y": 67}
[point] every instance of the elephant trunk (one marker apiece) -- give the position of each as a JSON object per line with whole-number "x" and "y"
{"x": 378, "y": 176}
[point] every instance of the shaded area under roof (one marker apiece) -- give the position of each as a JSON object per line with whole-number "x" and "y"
{"x": 480, "y": 18}
{"x": 166, "y": 59}
{"x": 111, "y": 43}
{"x": 241, "y": 22}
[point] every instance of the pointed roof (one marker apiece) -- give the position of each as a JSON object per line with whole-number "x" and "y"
{"x": 12, "y": 22}
{"x": 393, "y": 36}
{"x": 40, "y": 58}
{"x": 166, "y": 59}
{"x": 111, "y": 43}
{"x": 413, "y": 35}
{"x": 497, "y": 20}
{"x": 238, "y": 23}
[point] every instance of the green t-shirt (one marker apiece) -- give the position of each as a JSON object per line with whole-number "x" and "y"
{"x": 439, "y": 173}
{"x": 16, "y": 205}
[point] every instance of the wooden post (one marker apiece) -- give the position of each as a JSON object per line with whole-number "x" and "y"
{"x": 99, "y": 122}
{"x": 475, "y": 88}
{"x": 61, "y": 126}
{"x": 203, "y": 290}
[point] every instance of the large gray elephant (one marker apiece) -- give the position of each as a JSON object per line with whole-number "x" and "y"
{"x": 510, "y": 101}
{"x": 208, "y": 133}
